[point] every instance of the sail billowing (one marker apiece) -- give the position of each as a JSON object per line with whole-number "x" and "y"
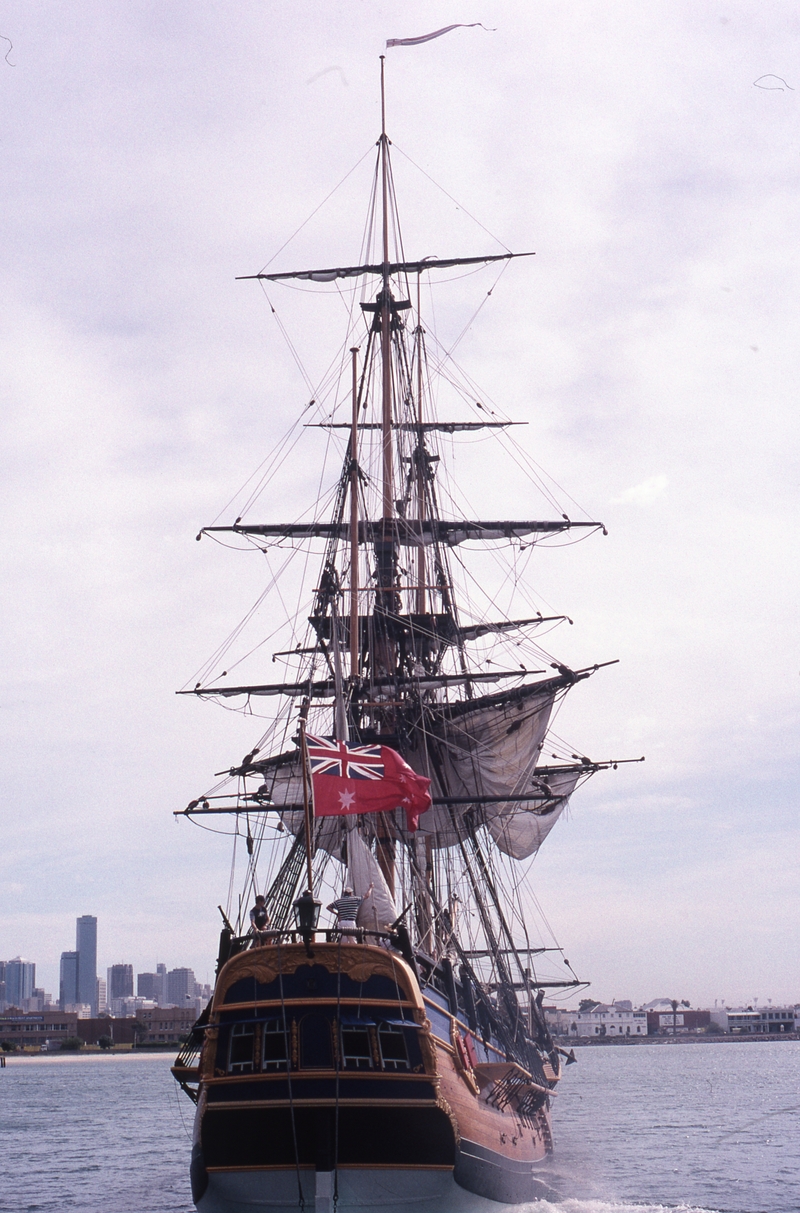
{"x": 486, "y": 750}
{"x": 519, "y": 829}
{"x": 476, "y": 754}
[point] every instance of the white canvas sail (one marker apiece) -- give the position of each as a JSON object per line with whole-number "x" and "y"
{"x": 378, "y": 909}
{"x": 519, "y": 829}
{"x": 491, "y": 750}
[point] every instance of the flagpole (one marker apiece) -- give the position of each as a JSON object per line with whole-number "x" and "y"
{"x": 386, "y": 314}
{"x": 307, "y": 807}
{"x": 421, "y": 468}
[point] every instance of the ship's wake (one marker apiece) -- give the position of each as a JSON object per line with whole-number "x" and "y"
{"x": 609, "y": 1206}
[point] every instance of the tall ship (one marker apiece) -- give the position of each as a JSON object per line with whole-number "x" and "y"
{"x": 376, "y": 1038}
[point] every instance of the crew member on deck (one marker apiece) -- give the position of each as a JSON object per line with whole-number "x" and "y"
{"x": 346, "y": 910}
{"x": 260, "y": 924}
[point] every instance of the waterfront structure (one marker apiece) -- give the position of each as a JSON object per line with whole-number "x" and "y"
{"x": 166, "y": 1024}
{"x": 759, "y": 1021}
{"x": 33, "y": 1030}
{"x": 48, "y": 1029}
{"x": 120, "y": 981}
{"x": 68, "y": 980}
{"x": 609, "y": 1019}
{"x": 86, "y": 947}
{"x": 677, "y": 1023}
{"x": 559, "y": 1020}
{"x": 20, "y": 980}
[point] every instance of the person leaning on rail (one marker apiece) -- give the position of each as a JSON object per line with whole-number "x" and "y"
{"x": 346, "y": 910}
{"x": 260, "y": 924}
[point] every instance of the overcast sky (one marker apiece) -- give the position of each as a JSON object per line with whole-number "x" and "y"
{"x": 649, "y": 154}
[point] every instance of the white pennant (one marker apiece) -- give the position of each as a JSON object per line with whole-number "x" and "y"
{"x": 436, "y": 34}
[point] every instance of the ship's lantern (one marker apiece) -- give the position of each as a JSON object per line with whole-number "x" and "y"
{"x": 306, "y": 913}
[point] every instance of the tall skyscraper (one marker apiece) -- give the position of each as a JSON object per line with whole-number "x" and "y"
{"x": 120, "y": 982}
{"x": 102, "y": 1001}
{"x": 68, "y": 980}
{"x": 161, "y": 990}
{"x": 148, "y": 985}
{"x": 86, "y": 947}
{"x": 180, "y": 988}
{"x": 20, "y": 980}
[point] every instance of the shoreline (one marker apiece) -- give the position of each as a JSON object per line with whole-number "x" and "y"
{"x": 681, "y": 1038}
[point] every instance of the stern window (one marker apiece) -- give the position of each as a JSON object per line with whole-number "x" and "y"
{"x": 394, "y": 1053}
{"x": 240, "y": 1055}
{"x": 274, "y": 1055}
{"x": 356, "y": 1048}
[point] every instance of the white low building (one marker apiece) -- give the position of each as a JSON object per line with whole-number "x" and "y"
{"x": 609, "y": 1019}
{"x": 757, "y": 1021}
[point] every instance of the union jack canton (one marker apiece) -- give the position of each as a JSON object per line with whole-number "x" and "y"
{"x": 327, "y": 756}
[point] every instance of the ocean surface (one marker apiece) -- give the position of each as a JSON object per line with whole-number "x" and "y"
{"x": 638, "y": 1129}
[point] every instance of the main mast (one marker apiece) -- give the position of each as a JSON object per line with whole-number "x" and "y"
{"x": 385, "y": 656}
{"x": 403, "y": 689}
{"x": 386, "y": 317}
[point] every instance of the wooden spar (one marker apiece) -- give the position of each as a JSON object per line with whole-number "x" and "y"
{"x": 354, "y": 661}
{"x": 420, "y": 464}
{"x": 386, "y": 318}
{"x": 307, "y": 808}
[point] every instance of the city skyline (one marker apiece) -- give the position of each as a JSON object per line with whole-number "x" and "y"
{"x": 161, "y": 971}
{"x": 171, "y": 987}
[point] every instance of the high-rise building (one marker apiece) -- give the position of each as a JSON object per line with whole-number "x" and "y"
{"x": 20, "y": 980}
{"x": 180, "y": 988}
{"x": 102, "y": 1000}
{"x": 86, "y": 947}
{"x": 120, "y": 981}
{"x": 37, "y": 1000}
{"x": 2, "y": 985}
{"x": 149, "y": 985}
{"x": 153, "y": 985}
{"x": 68, "y": 980}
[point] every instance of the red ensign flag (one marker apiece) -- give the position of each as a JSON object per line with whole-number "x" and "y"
{"x": 364, "y": 779}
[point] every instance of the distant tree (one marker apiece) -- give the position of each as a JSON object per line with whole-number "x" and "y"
{"x": 105, "y": 1042}
{"x": 587, "y": 1004}
{"x": 9, "y": 1046}
{"x": 714, "y": 1029}
{"x": 140, "y": 1031}
{"x": 71, "y": 1044}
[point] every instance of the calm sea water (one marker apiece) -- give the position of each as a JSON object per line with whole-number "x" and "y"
{"x": 639, "y": 1129}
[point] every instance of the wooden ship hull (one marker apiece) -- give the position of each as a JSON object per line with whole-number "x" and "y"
{"x": 338, "y": 1079}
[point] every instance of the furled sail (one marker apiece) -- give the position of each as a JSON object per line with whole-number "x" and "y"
{"x": 378, "y": 909}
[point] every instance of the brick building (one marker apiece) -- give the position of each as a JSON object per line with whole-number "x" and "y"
{"x": 677, "y": 1023}
{"x": 50, "y": 1028}
{"x": 34, "y": 1030}
{"x": 166, "y": 1025}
